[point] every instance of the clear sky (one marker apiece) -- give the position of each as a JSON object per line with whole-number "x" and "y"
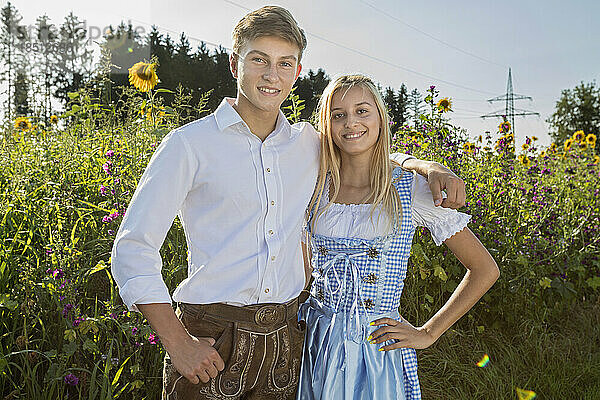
{"x": 463, "y": 47}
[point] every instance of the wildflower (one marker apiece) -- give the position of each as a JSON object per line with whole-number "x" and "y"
{"x": 525, "y": 146}
{"x": 568, "y": 144}
{"x": 102, "y": 189}
{"x": 432, "y": 87}
{"x": 143, "y": 76}
{"x": 134, "y": 330}
{"x": 542, "y": 154}
{"x": 77, "y": 321}
{"x": 53, "y": 119}
{"x": 480, "y": 138}
{"x": 153, "y": 339}
{"x": 591, "y": 140}
{"x": 553, "y": 147}
{"x": 67, "y": 309}
{"x": 504, "y": 127}
{"x": 106, "y": 167}
{"x": 444, "y": 105}
{"x": 510, "y": 137}
{"x": 534, "y": 138}
{"x": 23, "y": 123}
{"x": 110, "y": 153}
{"x": 524, "y": 160}
{"x": 111, "y": 232}
{"x": 71, "y": 379}
{"x": 578, "y": 136}
{"x": 115, "y": 360}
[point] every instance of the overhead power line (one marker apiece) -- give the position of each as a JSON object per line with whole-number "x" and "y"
{"x": 379, "y": 59}
{"x": 388, "y": 15}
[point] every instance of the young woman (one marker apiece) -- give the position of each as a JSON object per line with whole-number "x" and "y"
{"x": 360, "y": 226}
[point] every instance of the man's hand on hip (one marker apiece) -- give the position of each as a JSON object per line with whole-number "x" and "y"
{"x": 196, "y": 359}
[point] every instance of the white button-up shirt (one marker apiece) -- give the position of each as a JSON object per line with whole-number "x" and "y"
{"x": 241, "y": 202}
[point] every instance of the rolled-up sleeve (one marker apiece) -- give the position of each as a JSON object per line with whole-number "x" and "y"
{"x": 442, "y": 222}
{"x": 135, "y": 258}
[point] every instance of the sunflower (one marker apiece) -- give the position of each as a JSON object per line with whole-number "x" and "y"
{"x": 542, "y": 154}
{"x": 591, "y": 140}
{"x": 525, "y": 146}
{"x": 468, "y": 147}
{"x": 444, "y": 105}
{"x": 23, "y": 123}
{"x": 480, "y": 139}
{"x": 53, "y": 119}
{"x": 534, "y": 138}
{"x": 524, "y": 160}
{"x": 504, "y": 127}
{"x": 596, "y": 160}
{"x": 143, "y": 76}
{"x": 569, "y": 143}
{"x": 510, "y": 137}
{"x": 578, "y": 136}
{"x": 583, "y": 146}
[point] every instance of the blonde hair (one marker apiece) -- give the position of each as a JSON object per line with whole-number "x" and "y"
{"x": 268, "y": 21}
{"x": 383, "y": 191}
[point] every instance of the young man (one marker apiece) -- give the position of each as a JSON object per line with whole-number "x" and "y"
{"x": 239, "y": 180}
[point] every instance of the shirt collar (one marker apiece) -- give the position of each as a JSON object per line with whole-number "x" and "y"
{"x": 226, "y": 116}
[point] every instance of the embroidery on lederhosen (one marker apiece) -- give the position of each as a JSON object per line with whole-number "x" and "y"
{"x": 231, "y": 382}
{"x": 283, "y": 377}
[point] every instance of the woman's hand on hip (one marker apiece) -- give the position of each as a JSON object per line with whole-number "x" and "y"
{"x": 402, "y": 332}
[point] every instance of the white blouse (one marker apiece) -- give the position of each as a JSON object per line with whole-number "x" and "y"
{"x": 354, "y": 220}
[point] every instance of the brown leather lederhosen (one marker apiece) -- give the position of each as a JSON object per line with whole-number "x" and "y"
{"x": 260, "y": 344}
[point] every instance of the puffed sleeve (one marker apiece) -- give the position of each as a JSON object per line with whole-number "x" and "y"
{"x": 135, "y": 258}
{"x": 441, "y": 222}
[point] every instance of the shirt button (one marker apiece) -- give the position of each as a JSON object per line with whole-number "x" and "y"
{"x": 272, "y": 258}
{"x": 272, "y": 202}
{"x": 268, "y": 169}
{"x": 267, "y": 290}
{"x": 270, "y": 231}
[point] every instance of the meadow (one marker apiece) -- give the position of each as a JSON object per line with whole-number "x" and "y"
{"x": 65, "y": 185}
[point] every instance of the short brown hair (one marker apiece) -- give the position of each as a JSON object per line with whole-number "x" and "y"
{"x": 268, "y": 21}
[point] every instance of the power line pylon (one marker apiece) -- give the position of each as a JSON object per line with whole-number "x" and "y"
{"x": 509, "y": 110}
